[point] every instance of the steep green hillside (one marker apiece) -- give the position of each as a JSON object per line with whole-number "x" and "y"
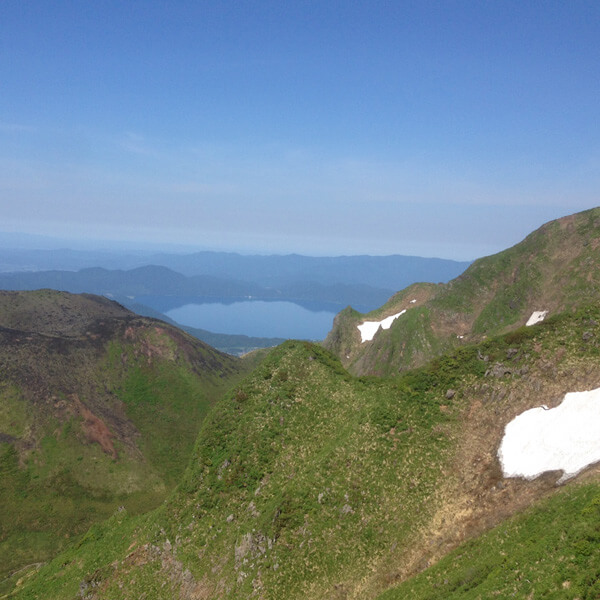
{"x": 553, "y": 269}
{"x": 99, "y": 408}
{"x": 307, "y": 482}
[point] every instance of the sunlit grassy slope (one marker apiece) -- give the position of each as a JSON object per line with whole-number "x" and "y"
{"x": 550, "y": 551}
{"x": 306, "y": 482}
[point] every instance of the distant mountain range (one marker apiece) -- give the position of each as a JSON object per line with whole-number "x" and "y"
{"x": 273, "y": 271}
{"x": 176, "y": 289}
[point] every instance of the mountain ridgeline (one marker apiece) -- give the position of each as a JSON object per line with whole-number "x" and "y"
{"x": 272, "y": 271}
{"x": 365, "y": 281}
{"x": 552, "y": 270}
{"x": 309, "y": 482}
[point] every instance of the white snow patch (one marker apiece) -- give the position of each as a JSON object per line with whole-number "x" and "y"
{"x": 564, "y": 438}
{"x": 536, "y": 317}
{"x": 368, "y": 329}
{"x": 413, "y": 300}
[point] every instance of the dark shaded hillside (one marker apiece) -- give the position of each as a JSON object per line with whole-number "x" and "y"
{"x": 555, "y": 268}
{"x": 309, "y": 483}
{"x": 47, "y": 312}
{"x": 169, "y": 289}
{"x": 389, "y": 272}
{"x": 98, "y": 408}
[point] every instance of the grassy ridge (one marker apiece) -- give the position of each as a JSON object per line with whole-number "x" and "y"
{"x": 295, "y": 460}
{"x": 555, "y": 268}
{"x": 299, "y": 458}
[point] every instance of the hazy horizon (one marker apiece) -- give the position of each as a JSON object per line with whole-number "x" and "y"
{"x": 29, "y": 241}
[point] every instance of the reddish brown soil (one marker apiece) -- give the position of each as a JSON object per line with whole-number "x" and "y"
{"x": 95, "y": 429}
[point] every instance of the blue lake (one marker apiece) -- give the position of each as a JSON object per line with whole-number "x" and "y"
{"x": 256, "y": 318}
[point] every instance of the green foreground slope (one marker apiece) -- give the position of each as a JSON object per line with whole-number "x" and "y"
{"x": 307, "y": 482}
{"x": 98, "y": 409}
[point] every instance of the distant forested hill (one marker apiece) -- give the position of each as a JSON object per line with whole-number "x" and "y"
{"x": 364, "y": 282}
{"x": 390, "y": 272}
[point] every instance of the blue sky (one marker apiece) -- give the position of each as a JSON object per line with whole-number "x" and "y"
{"x": 446, "y": 128}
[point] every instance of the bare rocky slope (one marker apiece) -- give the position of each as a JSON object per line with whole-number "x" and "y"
{"x": 552, "y": 270}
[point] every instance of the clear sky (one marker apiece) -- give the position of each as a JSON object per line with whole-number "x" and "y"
{"x": 435, "y": 128}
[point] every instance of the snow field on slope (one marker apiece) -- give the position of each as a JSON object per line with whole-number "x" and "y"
{"x": 537, "y": 316}
{"x": 564, "y": 438}
{"x": 368, "y": 329}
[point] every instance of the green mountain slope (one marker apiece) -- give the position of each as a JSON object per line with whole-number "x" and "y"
{"x": 554, "y": 269}
{"x": 306, "y": 482}
{"x": 99, "y": 408}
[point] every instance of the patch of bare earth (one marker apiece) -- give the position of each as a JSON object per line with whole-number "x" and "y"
{"x": 94, "y": 428}
{"x": 567, "y": 222}
{"x": 448, "y": 324}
